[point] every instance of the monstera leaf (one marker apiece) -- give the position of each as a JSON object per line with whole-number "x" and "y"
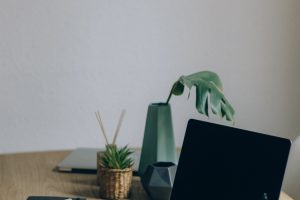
{"x": 208, "y": 87}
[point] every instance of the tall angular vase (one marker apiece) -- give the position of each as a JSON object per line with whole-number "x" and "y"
{"x": 158, "y": 143}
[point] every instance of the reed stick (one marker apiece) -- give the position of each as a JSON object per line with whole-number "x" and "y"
{"x": 119, "y": 126}
{"x": 101, "y": 126}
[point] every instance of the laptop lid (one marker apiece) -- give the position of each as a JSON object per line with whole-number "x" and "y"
{"x": 221, "y": 163}
{"x": 85, "y": 160}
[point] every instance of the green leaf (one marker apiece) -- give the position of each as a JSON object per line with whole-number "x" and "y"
{"x": 206, "y": 76}
{"x": 178, "y": 88}
{"x": 202, "y": 99}
{"x": 115, "y": 158}
{"x": 208, "y": 93}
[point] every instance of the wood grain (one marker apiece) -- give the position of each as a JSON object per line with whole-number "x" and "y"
{"x": 26, "y": 174}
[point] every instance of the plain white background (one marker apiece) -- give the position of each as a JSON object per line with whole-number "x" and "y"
{"x": 61, "y": 60}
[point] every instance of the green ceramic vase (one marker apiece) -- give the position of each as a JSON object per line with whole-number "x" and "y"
{"x": 158, "y": 143}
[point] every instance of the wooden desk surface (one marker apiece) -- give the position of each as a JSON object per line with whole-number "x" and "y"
{"x": 25, "y": 174}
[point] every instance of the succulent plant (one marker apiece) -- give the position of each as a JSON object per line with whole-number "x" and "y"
{"x": 116, "y": 158}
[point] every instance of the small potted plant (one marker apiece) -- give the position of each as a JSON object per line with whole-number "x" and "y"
{"x": 114, "y": 166}
{"x": 115, "y": 172}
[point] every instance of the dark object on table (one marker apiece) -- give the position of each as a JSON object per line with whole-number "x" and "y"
{"x": 220, "y": 162}
{"x": 158, "y": 180}
{"x": 52, "y": 198}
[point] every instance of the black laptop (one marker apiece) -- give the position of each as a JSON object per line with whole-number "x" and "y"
{"x": 224, "y": 163}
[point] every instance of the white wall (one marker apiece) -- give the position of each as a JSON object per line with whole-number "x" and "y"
{"x": 62, "y": 60}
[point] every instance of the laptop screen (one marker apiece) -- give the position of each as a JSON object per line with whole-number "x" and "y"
{"x": 224, "y": 163}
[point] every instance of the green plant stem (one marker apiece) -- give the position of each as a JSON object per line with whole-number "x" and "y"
{"x": 171, "y": 92}
{"x": 169, "y": 97}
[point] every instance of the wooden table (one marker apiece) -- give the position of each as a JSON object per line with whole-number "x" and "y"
{"x": 25, "y": 174}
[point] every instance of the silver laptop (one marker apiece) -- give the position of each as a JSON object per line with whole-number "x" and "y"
{"x": 85, "y": 160}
